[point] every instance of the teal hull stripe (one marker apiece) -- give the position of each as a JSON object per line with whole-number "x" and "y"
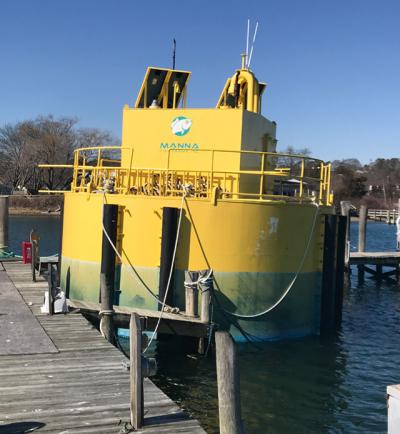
{"x": 244, "y": 293}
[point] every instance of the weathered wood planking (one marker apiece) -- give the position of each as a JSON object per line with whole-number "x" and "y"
{"x": 171, "y": 323}
{"x": 84, "y": 388}
{"x": 20, "y": 332}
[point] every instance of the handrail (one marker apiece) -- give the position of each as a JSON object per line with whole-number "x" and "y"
{"x": 311, "y": 176}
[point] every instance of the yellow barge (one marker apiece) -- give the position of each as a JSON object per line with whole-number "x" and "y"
{"x": 253, "y": 216}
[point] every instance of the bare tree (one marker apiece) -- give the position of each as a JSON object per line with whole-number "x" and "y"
{"x": 45, "y": 140}
{"x": 51, "y": 141}
{"x": 94, "y": 138}
{"x": 15, "y": 167}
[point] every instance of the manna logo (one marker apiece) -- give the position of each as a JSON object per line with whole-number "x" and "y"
{"x": 181, "y": 125}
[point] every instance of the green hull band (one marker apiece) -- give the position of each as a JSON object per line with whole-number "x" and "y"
{"x": 239, "y": 293}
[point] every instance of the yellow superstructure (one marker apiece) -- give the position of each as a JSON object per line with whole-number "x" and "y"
{"x": 248, "y": 213}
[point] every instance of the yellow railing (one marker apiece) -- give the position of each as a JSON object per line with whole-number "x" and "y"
{"x": 262, "y": 175}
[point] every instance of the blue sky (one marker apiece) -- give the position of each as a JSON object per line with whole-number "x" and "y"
{"x": 333, "y": 67}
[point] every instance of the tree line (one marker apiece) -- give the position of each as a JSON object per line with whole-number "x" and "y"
{"x": 44, "y": 140}
{"x": 47, "y": 140}
{"x": 376, "y": 184}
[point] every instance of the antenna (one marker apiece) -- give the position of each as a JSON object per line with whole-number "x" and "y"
{"x": 247, "y": 42}
{"x": 173, "y": 54}
{"x": 252, "y": 46}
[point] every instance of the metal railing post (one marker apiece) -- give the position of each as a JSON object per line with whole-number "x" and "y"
{"x": 262, "y": 175}
{"x": 301, "y": 179}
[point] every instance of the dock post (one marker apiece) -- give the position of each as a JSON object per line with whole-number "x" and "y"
{"x": 4, "y": 204}
{"x": 135, "y": 347}
{"x": 362, "y": 233}
{"x": 168, "y": 239}
{"x": 393, "y": 405}
{"x": 205, "y": 317}
{"x": 61, "y": 240}
{"x": 327, "y": 322}
{"x": 107, "y": 273}
{"x": 345, "y": 206}
{"x": 362, "y": 228}
{"x": 50, "y": 288}
{"x": 379, "y": 273}
{"x": 230, "y": 419}
{"x": 205, "y": 306}
{"x": 191, "y": 294}
{"x": 340, "y": 257}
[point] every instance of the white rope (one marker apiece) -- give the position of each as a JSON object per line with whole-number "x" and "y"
{"x": 290, "y": 286}
{"x": 200, "y": 280}
{"x": 130, "y": 269}
{"x": 163, "y": 303}
{"x": 170, "y": 274}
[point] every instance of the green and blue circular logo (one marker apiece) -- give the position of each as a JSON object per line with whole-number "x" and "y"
{"x": 181, "y": 125}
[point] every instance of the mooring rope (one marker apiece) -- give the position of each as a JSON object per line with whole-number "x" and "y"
{"x": 163, "y": 302}
{"x": 170, "y": 273}
{"x": 290, "y": 286}
{"x": 130, "y": 268}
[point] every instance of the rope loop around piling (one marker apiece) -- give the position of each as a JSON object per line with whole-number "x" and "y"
{"x": 106, "y": 312}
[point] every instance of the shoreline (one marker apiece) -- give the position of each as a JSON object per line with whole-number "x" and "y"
{"x": 32, "y": 212}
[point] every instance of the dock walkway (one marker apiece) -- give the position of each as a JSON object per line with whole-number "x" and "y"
{"x": 364, "y": 261}
{"x": 59, "y": 375}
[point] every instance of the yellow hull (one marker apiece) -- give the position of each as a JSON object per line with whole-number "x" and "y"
{"x": 254, "y": 248}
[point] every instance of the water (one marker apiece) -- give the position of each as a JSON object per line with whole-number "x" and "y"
{"x": 336, "y": 385}
{"x": 48, "y": 228}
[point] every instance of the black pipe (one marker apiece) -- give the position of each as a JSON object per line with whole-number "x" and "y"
{"x": 327, "y": 321}
{"x": 168, "y": 239}
{"x": 340, "y": 267}
{"x": 107, "y": 271}
{"x": 110, "y": 221}
{"x": 61, "y": 242}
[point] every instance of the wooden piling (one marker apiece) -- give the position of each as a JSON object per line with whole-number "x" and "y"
{"x": 345, "y": 207}
{"x": 327, "y": 321}
{"x": 50, "y": 288}
{"x": 362, "y": 233}
{"x": 228, "y": 379}
{"x": 168, "y": 239}
{"x": 4, "y": 204}
{"x": 34, "y": 259}
{"x": 340, "y": 267}
{"x": 107, "y": 274}
{"x": 204, "y": 316}
{"x": 61, "y": 240}
{"x": 362, "y": 228}
{"x": 379, "y": 273}
{"x": 205, "y": 306}
{"x": 191, "y": 300}
{"x": 136, "y": 380}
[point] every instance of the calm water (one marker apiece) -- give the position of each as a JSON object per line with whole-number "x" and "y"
{"x": 337, "y": 385}
{"x": 48, "y": 228}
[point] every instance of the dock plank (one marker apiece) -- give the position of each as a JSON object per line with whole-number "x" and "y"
{"x": 20, "y": 332}
{"x": 81, "y": 387}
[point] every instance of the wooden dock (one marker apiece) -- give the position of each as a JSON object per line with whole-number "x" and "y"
{"x": 59, "y": 375}
{"x": 364, "y": 261}
{"x": 383, "y": 215}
